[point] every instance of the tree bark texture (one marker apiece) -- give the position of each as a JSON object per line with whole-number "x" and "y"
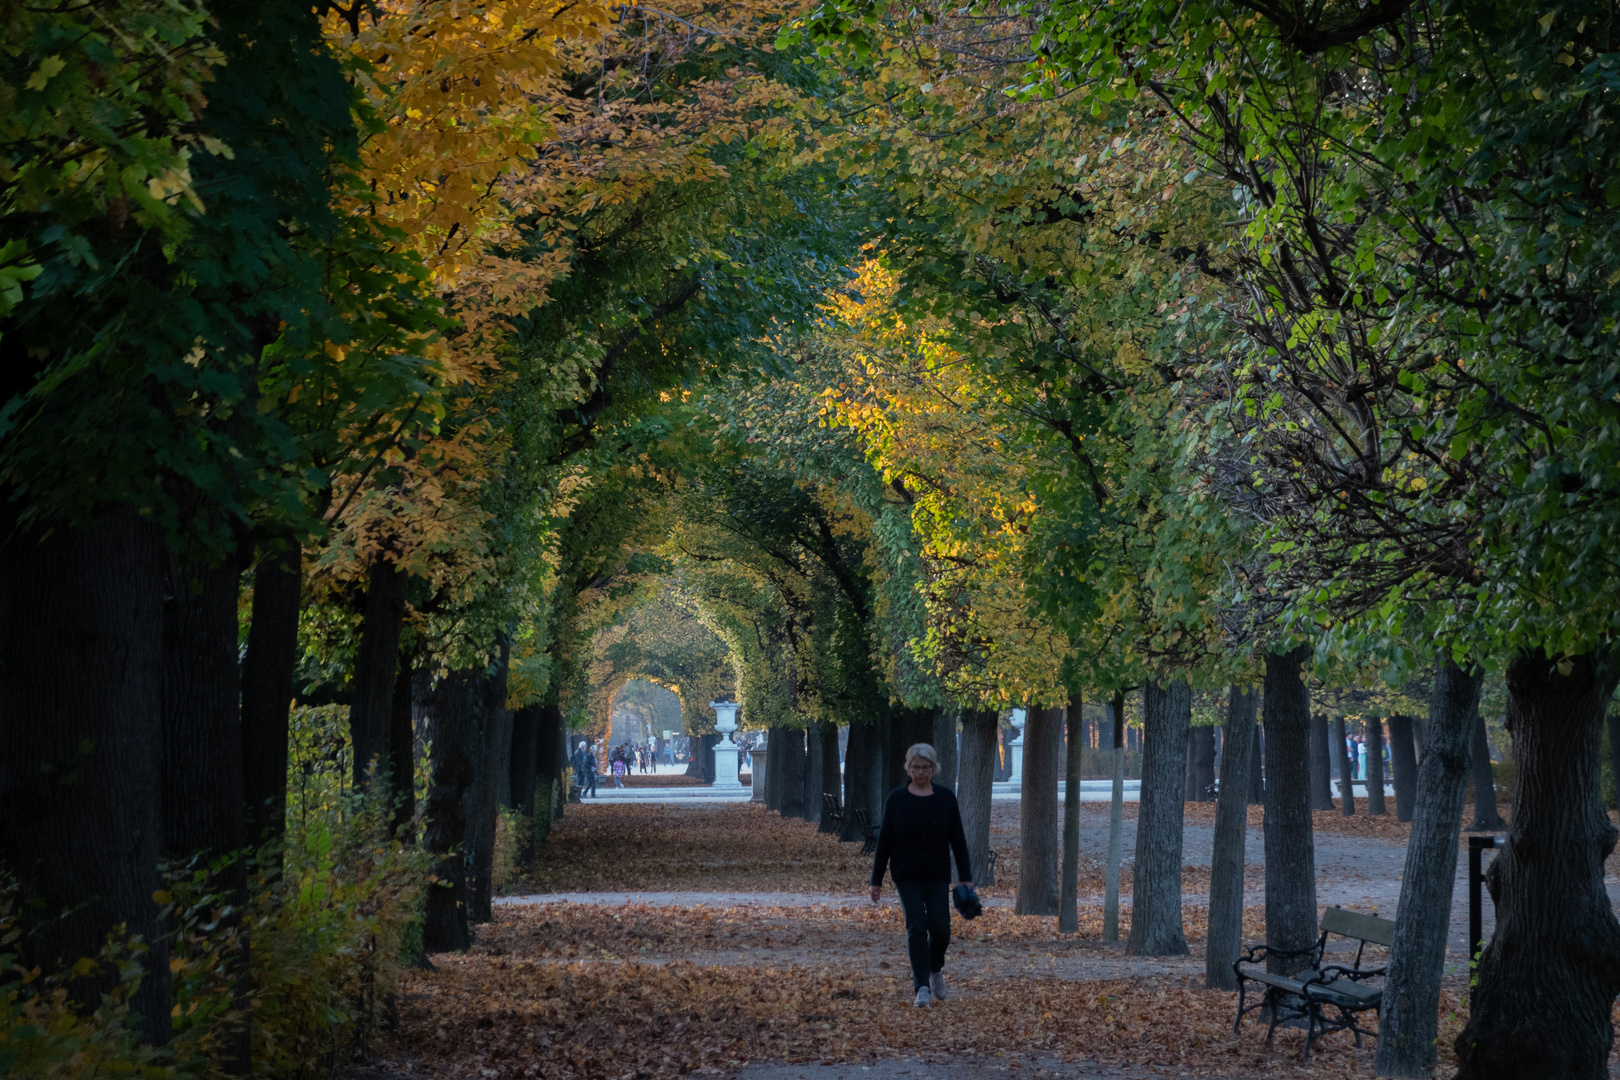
{"x": 551, "y": 759}
{"x": 202, "y": 734}
{"x": 1614, "y": 756}
{"x": 831, "y": 778}
{"x": 976, "y": 773}
{"x": 1231, "y": 834}
{"x": 1038, "y": 883}
{"x": 376, "y": 666}
{"x": 907, "y": 728}
{"x": 525, "y": 753}
{"x": 1203, "y": 763}
{"x": 1257, "y": 786}
{"x": 944, "y": 740}
{"x": 1069, "y": 894}
{"x": 1290, "y": 851}
{"x": 267, "y": 688}
{"x": 1486, "y": 819}
{"x": 1373, "y": 731}
{"x": 402, "y": 744}
{"x": 458, "y": 714}
{"x": 1550, "y": 974}
{"x": 1156, "y": 926}
{"x": 1403, "y": 762}
{"x": 863, "y": 778}
{"x": 1321, "y": 765}
{"x": 814, "y": 764}
{"x": 1347, "y": 770}
{"x": 483, "y": 802}
{"x": 775, "y": 744}
{"x": 1409, "y": 1020}
{"x": 1116, "y": 821}
{"x": 790, "y": 777}
{"x": 81, "y": 708}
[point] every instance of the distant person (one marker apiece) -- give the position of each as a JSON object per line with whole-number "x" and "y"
{"x": 578, "y": 762}
{"x": 618, "y": 770}
{"x": 1361, "y": 757}
{"x": 588, "y": 786}
{"x": 922, "y": 829}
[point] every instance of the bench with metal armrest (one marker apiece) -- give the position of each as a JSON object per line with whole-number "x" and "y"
{"x": 1328, "y": 997}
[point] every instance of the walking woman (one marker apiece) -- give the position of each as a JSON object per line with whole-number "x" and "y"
{"x": 922, "y": 829}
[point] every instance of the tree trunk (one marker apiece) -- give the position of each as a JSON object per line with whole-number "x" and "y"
{"x": 1321, "y": 765}
{"x": 1116, "y": 822}
{"x": 1290, "y": 851}
{"x": 1038, "y": 887}
{"x": 1373, "y": 731}
{"x": 81, "y": 707}
{"x": 1231, "y": 834}
{"x": 267, "y": 689}
{"x": 1549, "y": 976}
{"x": 1409, "y": 1021}
{"x": 458, "y": 717}
{"x": 551, "y": 761}
{"x": 1203, "y": 746}
{"x": 831, "y": 777}
{"x": 907, "y": 728}
{"x": 483, "y": 804}
{"x": 525, "y": 754}
{"x": 1486, "y": 819}
{"x": 944, "y": 740}
{"x": 1156, "y": 927}
{"x": 1069, "y": 897}
{"x": 402, "y": 745}
{"x": 1403, "y": 761}
{"x": 976, "y": 774}
{"x": 1614, "y": 756}
{"x": 1257, "y": 785}
{"x": 863, "y": 780}
{"x": 1347, "y": 769}
{"x": 790, "y": 780}
{"x": 202, "y": 738}
{"x": 814, "y": 763}
{"x": 376, "y": 667}
{"x": 775, "y": 747}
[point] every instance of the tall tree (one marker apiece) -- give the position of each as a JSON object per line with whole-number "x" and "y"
{"x": 973, "y": 788}
{"x": 1228, "y": 852}
{"x": 1156, "y": 924}
{"x": 1069, "y": 893}
{"x": 1290, "y": 847}
{"x": 1038, "y": 833}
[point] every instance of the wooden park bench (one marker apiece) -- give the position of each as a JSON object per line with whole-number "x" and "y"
{"x": 832, "y": 813}
{"x": 1328, "y": 997}
{"x": 869, "y": 831}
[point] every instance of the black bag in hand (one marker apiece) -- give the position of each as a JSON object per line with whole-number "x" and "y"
{"x": 967, "y": 902}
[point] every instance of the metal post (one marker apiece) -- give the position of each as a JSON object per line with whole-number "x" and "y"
{"x": 1476, "y": 878}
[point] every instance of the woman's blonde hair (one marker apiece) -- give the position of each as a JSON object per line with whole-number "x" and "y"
{"x": 924, "y": 751}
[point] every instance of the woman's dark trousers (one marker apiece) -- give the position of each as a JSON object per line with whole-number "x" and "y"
{"x": 927, "y": 905}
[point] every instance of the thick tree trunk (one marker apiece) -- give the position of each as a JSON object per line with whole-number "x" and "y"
{"x": 1257, "y": 786}
{"x": 525, "y": 754}
{"x": 1231, "y": 834}
{"x": 1373, "y": 731}
{"x": 1614, "y": 756}
{"x": 81, "y": 700}
{"x": 1321, "y": 765}
{"x": 267, "y": 688}
{"x": 1347, "y": 769}
{"x": 1116, "y": 821}
{"x": 1486, "y": 819}
{"x": 814, "y": 763}
{"x": 459, "y": 712}
{"x": 376, "y": 667}
{"x": 1156, "y": 927}
{"x": 1550, "y": 974}
{"x": 944, "y": 740}
{"x": 831, "y": 777}
{"x": 402, "y": 745}
{"x": 1038, "y": 885}
{"x": 790, "y": 778}
{"x": 483, "y": 803}
{"x": 1409, "y": 1021}
{"x": 551, "y": 761}
{"x": 1069, "y": 897}
{"x": 1203, "y": 763}
{"x": 203, "y": 810}
{"x": 1403, "y": 762}
{"x": 202, "y": 737}
{"x": 863, "y": 779}
{"x": 907, "y": 728}
{"x": 1290, "y": 850}
{"x": 775, "y": 747}
{"x": 975, "y": 774}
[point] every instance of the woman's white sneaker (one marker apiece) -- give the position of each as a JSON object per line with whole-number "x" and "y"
{"x": 923, "y": 998}
{"x": 936, "y": 984}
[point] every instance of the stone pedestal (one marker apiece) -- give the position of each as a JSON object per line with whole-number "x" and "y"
{"x": 1015, "y": 748}
{"x": 725, "y": 751}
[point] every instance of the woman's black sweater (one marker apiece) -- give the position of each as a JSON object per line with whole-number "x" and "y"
{"x": 918, "y": 836}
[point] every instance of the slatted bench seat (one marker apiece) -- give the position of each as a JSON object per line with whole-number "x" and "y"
{"x": 1328, "y": 997}
{"x": 832, "y": 813}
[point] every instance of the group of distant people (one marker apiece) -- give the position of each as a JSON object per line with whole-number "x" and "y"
{"x": 1356, "y": 745}
{"x": 622, "y": 760}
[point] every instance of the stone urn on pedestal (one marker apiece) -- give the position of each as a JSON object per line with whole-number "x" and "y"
{"x": 725, "y": 751}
